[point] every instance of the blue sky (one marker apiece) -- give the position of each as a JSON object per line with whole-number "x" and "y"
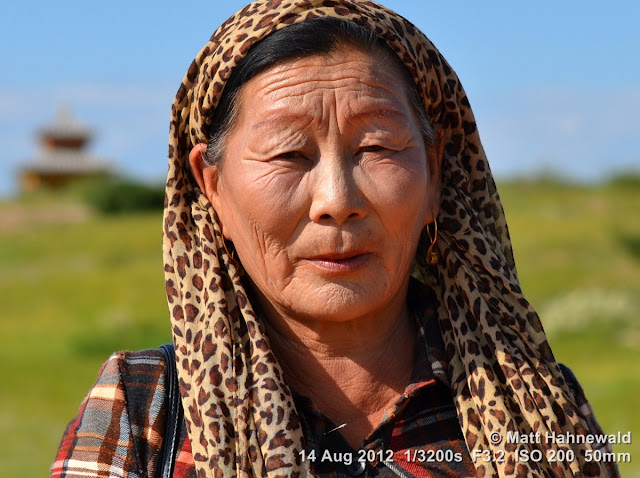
{"x": 554, "y": 85}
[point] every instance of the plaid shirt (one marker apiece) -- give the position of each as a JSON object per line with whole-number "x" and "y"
{"x": 419, "y": 437}
{"x": 119, "y": 429}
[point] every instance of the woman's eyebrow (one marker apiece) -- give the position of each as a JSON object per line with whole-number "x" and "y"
{"x": 381, "y": 113}
{"x": 276, "y": 119}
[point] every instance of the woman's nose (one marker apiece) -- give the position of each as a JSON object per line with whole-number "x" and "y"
{"x": 336, "y": 195}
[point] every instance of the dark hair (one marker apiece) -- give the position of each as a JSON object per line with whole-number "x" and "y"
{"x": 319, "y": 36}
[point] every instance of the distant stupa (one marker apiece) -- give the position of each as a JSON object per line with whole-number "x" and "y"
{"x": 63, "y": 155}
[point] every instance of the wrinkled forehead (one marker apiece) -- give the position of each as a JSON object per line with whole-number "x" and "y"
{"x": 353, "y": 83}
{"x": 349, "y": 67}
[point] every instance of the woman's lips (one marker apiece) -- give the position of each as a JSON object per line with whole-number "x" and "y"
{"x": 340, "y": 263}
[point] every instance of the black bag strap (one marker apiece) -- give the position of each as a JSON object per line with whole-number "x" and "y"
{"x": 174, "y": 414}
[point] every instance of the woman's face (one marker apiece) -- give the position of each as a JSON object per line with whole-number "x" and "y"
{"x": 326, "y": 186}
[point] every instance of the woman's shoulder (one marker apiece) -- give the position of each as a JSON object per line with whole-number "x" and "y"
{"x": 133, "y": 383}
{"x": 137, "y": 370}
{"x": 121, "y": 420}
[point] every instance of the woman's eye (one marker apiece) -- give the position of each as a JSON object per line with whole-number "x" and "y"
{"x": 371, "y": 149}
{"x": 289, "y": 155}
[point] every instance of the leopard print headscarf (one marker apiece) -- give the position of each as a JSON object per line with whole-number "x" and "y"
{"x": 240, "y": 415}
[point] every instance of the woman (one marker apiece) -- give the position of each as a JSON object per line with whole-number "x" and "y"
{"x": 321, "y": 152}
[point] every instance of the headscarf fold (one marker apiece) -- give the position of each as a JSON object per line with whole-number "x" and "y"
{"x": 240, "y": 414}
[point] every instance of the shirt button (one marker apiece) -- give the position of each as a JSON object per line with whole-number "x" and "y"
{"x": 356, "y": 468}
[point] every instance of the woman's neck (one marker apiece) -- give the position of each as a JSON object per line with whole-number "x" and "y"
{"x": 352, "y": 371}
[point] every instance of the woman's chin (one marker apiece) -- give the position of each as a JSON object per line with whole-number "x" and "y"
{"x": 339, "y": 301}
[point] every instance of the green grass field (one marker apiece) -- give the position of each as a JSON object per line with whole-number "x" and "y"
{"x": 76, "y": 287}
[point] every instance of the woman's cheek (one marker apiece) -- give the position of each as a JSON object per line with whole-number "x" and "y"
{"x": 274, "y": 186}
{"x": 398, "y": 190}
{"x": 267, "y": 213}
{"x": 266, "y": 195}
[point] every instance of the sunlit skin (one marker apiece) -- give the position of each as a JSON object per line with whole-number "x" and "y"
{"x": 325, "y": 187}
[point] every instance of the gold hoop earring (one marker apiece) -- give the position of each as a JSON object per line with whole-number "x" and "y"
{"x": 432, "y": 255}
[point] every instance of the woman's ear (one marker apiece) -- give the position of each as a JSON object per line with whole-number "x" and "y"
{"x": 435, "y": 152}
{"x": 206, "y": 176}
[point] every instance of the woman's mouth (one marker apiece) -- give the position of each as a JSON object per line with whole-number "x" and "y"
{"x": 340, "y": 262}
